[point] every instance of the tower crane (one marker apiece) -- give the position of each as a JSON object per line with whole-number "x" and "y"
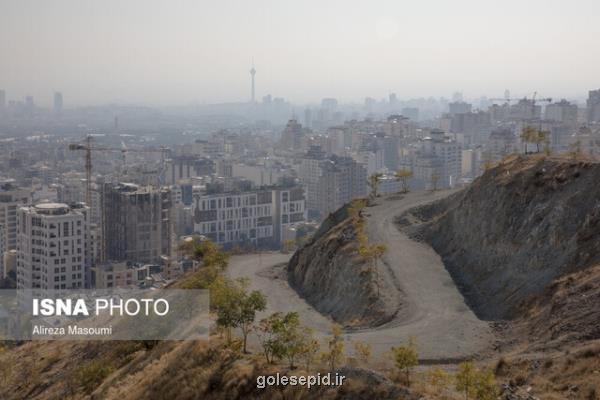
{"x": 533, "y": 99}
{"x": 89, "y": 148}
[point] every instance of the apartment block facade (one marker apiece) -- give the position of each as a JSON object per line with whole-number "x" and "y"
{"x": 135, "y": 223}
{"x": 52, "y": 247}
{"x": 260, "y": 217}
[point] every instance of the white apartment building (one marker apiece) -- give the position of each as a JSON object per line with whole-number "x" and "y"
{"x": 259, "y": 217}
{"x": 448, "y": 154}
{"x": 260, "y": 175}
{"x": 52, "y": 246}
{"x": 11, "y": 198}
{"x": 123, "y": 275}
{"x": 389, "y": 184}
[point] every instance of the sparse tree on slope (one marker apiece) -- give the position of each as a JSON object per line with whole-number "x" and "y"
{"x": 373, "y": 183}
{"x": 310, "y": 350}
{"x": 403, "y": 176}
{"x": 435, "y": 179}
{"x": 406, "y": 358}
{"x": 236, "y": 307}
{"x": 371, "y": 254}
{"x": 363, "y": 352}
{"x": 466, "y": 378}
{"x": 334, "y": 355}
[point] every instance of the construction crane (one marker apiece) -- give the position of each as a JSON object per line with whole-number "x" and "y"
{"x": 88, "y": 148}
{"x": 533, "y": 99}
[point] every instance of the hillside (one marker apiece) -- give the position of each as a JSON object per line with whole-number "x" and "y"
{"x": 169, "y": 370}
{"x": 330, "y": 274}
{"x": 521, "y": 225}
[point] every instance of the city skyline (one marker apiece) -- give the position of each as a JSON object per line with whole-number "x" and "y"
{"x": 171, "y": 55}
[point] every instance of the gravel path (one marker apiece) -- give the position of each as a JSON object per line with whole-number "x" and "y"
{"x": 438, "y": 318}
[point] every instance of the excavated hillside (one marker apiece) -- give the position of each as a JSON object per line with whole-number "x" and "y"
{"x": 331, "y": 275}
{"x": 524, "y": 223}
{"x": 566, "y": 313}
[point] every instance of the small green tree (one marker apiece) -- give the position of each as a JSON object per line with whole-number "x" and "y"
{"x": 406, "y": 358}
{"x": 250, "y": 303}
{"x": 466, "y": 378}
{"x": 267, "y": 335}
{"x": 236, "y": 306}
{"x": 288, "y": 245}
{"x": 575, "y": 150}
{"x": 310, "y": 350}
{"x": 334, "y": 355}
{"x": 213, "y": 262}
{"x": 547, "y": 146}
{"x": 528, "y": 135}
{"x": 373, "y": 183}
{"x": 488, "y": 161}
{"x": 435, "y": 180}
{"x": 371, "y": 254}
{"x": 403, "y": 176}
{"x": 363, "y": 352}
{"x": 438, "y": 379}
{"x": 282, "y": 336}
{"x": 210, "y": 255}
{"x": 290, "y": 338}
{"x": 486, "y": 387}
{"x": 355, "y": 209}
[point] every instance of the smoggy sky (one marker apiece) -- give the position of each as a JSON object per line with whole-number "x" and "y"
{"x": 181, "y": 51}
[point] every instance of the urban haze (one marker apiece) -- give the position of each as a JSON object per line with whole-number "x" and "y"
{"x": 400, "y": 195}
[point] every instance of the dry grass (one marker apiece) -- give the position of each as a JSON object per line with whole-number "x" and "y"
{"x": 567, "y": 375}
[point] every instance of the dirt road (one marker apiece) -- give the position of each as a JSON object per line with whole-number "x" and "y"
{"x": 438, "y": 318}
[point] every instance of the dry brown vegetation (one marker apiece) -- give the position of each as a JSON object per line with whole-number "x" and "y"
{"x": 170, "y": 370}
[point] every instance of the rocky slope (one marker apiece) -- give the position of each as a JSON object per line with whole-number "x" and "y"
{"x": 566, "y": 313}
{"x": 524, "y": 223}
{"x": 329, "y": 273}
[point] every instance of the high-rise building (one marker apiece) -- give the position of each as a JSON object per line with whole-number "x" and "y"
{"x": 136, "y": 223}
{"x": 341, "y": 180}
{"x": 11, "y": 198}
{"x": 525, "y": 109}
{"x": 446, "y": 153}
{"x": 58, "y": 102}
{"x": 411, "y": 113}
{"x": 563, "y": 112}
{"x": 52, "y": 247}
{"x": 2, "y": 99}
{"x": 308, "y": 119}
{"x": 329, "y": 103}
{"x": 292, "y": 135}
{"x": 593, "y": 106}
{"x": 182, "y": 168}
{"x": 459, "y": 107}
{"x": 330, "y": 182}
{"x": 261, "y": 218}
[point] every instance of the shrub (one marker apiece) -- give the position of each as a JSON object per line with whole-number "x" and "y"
{"x": 91, "y": 375}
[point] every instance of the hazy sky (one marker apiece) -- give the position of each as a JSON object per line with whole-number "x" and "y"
{"x": 181, "y": 51}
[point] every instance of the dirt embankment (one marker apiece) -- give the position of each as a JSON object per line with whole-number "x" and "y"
{"x": 523, "y": 224}
{"x": 567, "y": 312}
{"x": 330, "y": 274}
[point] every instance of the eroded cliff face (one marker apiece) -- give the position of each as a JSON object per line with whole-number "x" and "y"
{"x": 521, "y": 225}
{"x": 329, "y": 273}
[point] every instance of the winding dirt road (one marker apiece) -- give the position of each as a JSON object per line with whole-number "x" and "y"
{"x": 443, "y": 325}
